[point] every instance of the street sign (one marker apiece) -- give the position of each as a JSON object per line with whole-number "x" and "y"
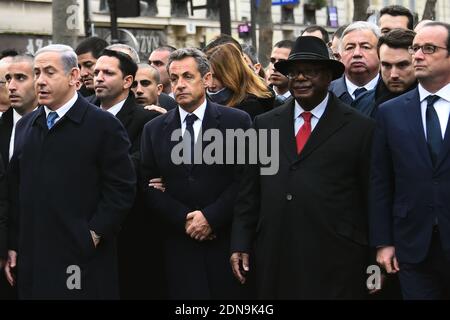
{"x": 281, "y": 2}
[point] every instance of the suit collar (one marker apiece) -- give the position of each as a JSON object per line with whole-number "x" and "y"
{"x": 126, "y": 112}
{"x": 75, "y": 113}
{"x": 334, "y": 117}
{"x": 412, "y": 112}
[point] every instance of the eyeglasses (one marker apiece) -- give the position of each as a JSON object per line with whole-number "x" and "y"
{"x": 426, "y": 48}
{"x": 144, "y": 83}
{"x": 307, "y": 73}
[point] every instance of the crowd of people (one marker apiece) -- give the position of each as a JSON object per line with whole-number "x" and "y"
{"x": 94, "y": 203}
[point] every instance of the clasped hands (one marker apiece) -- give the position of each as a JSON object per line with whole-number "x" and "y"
{"x": 196, "y": 225}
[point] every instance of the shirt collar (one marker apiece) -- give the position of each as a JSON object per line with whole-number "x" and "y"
{"x": 316, "y": 112}
{"x": 61, "y": 111}
{"x": 199, "y": 112}
{"x": 116, "y": 108}
{"x": 16, "y": 117}
{"x": 351, "y": 87}
{"x": 443, "y": 93}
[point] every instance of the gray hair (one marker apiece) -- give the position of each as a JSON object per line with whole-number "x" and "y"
{"x": 360, "y": 26}
{"x": 125, "y": 49}
{"x": 68, "y": 56}
{"x": 203, "y": 65}
{"x": 153, "y": 70}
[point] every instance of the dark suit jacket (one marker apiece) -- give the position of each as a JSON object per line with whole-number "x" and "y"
{"x": 167, "y": 102}
{"x": 6, "y": 126}
{"x": 3, "y": 210}
{"x": 407, "y": 192}
{"x": 134, "y": 269}
{"x": 195, "y": 270}
{"x": 339, "y": 88}
{"x": 308, "y": 222}
{"x": 76, "y": 177}
{"x": 134, "y": 117}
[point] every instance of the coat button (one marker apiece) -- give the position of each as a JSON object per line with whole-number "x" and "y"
{"x": 289, "y": 197}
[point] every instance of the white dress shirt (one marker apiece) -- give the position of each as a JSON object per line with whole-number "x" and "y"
{"x": 61, "y": 111}
{"x": 16, "y": 118}
{"x": 199, "y": 112}
{"x": 317, "y": 113}
{"x": 115, "y": 108}
{"x": 351, "y": 87}
{"x": 442, "y": 106}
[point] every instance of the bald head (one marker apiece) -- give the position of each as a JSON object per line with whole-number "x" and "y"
{"x": 147, "y": 85}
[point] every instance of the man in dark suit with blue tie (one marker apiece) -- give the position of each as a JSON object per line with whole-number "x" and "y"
{"x": 410, "y": 178}
{"x": 72, "y": 183}
{"x": 197, "y": 203}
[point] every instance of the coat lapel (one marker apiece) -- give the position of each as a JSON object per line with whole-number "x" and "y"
{"x": 210, "y": 121}
{"x": 414, "y": 117}
{"x": 125, "y": 115}
{"x": 445, "y": 147}
{"x": 332, "y": 120}
{"x": 285, "y": 119}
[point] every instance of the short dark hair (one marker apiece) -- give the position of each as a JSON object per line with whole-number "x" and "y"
{"x": 250, "y": 51}
{"x": 325, "y": 35}
{"x": 199, "y": 56}
{"x": 396, "y": 10}
{"x": 126, "y": 64}
{"x": 8, "y": 53}
{"x": 397, "y": 39}
{"x": 288, "y": 44}
{"x": 94, "y": 45}
{"x": 222, "y": 39}
{"x": 441, "y": 24}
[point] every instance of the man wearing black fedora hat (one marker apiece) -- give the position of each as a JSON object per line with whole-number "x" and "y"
{"x": 303, "y": 230}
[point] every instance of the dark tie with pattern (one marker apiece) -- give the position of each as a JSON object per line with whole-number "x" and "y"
{"x": 434, "y": 133}
{"x": 190, "y": 119}
{"x": 51, "y": 118}
{"x": 359, "y": 91}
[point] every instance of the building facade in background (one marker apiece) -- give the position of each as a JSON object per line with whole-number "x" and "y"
{"x": 27, "y": 24}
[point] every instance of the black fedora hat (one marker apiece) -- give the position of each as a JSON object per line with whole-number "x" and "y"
{"x": 310, "y": 49}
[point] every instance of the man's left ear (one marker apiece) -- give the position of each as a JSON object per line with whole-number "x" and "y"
{"x": 74, "y": 76}
{"x": 128, "y": 81}
{"x": 207, "y": 80}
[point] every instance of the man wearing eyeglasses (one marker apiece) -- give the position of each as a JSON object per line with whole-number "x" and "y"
{"x": 308, "y": 221}
{"x": 410, "y": 183}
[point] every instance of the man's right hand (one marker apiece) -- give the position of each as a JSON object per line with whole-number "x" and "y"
{"x": 156, "y": 108}
{"x": 240, "y": 265}
{"x": 387, "y": 259}
{"x": 10, "y": 265}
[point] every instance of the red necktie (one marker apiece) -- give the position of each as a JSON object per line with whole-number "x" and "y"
{"x": 304, "y": 132}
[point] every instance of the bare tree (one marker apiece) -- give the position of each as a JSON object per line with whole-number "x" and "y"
{"x": 65, "y": 22}
{"x": 360, "y": 10}
{"x": 265, "y": 31}
{"x": 429, "y": 13}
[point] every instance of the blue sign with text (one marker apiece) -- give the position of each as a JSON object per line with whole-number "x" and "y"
{"x": 281, "y": 2}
